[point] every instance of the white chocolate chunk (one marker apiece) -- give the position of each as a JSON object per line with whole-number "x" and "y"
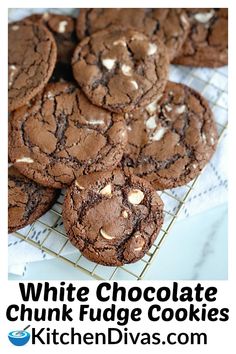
{"x": 50, "y": 96}
{"x": 204, "y": 17}
{"x": 25, "y": 159}
{"x": 151, "y": 122}
{"x": 180, "y": 109}
{"x": 105, "y": 235}
{"x": 142, "y": 242}
{"x": 151, "y": 107}
{"x": 15, "y": 28}
{"x": 126, "y": 70}
{"x": 168, "y": 108}
{"x": 159, "y": 134}
{"x": 135, "y": 196}
{"x": 108, "y": 63}
{"x": 120, "y": 42}
{"x": 194, "y": 165}
{"x": 12, "y": 72}
{"x": 152, "y": 48}
{"x": 212, "y": 140}
{"x": 204, "y": 137}
{"x": 106, "y": 190}
{"x": 62, "y": 26}
{"x": 95, "y": 122}
{"x": 138, "y": 36}
{"x": 184, "y": 20}
{"x": 78, "y": 185}
{"x": 138, "y": 249}
{"x": 134, "y": 84}
{"x": 125, "y": 214}
{"x": 13, "y": 68}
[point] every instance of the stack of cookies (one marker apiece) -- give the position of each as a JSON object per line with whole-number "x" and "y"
{"x": 92, "y": 110}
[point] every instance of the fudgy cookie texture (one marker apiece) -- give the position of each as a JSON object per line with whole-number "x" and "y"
{"x": 170, "y": 141}
{"x": 207, "y": 42}
{"x": 111, "y": 217}
{"x": 120, "y": 69}
{"x": 171, "y": 25}
{"x": 32, "y": 54}
{"x": 27, "y": 201}
{"x": 61, "y": 135}
{"x": 63, "y": 29}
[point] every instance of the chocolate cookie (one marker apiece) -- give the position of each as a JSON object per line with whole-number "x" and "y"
{"x": 27, "y": 201}
{"x": 63, "y": 29}
{"x": 171, "y": 25}
{"x": 32, "y": 57}
{"x": 120, "y": 69}
{"x": 112, "y": 218}
{"x": 170, "y": 141}
{"x": 207, "y": 42}
{"x": 61, "y": 135}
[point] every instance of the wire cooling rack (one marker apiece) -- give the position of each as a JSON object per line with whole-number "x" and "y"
{"x": 48, "y": 234}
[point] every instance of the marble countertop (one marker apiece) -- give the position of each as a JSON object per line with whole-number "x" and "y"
{"x": 196, "y": 248}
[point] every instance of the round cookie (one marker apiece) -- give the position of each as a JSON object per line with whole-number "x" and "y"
{"x": 171, "y": 25}
{"x": 32, "y": 54}
{"x": 120, "y": 69}
{"x": 170, "y": 141}
{"x": 27, "y": 201}
{"x": 63, "y": 29}
{"x": 61, "y": 135}
{"x": 111, "y": 217}
{"x": 207, "y": 42}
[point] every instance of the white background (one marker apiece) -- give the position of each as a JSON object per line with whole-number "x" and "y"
{"x": 221, "y": 336}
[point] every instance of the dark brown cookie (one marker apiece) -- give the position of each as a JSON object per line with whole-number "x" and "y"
{"x": 171, "y": 25}
{"x": 27, "y": 201}
{"x": 120, "y": 69}
{"x": 171, "y": 140}
{"x": 112, "y": 218}
{"x": 207, "y": 42}
{"x": 63, "y": 29}
{"x": 32, "y": 57}
{"x": 61, "y": 135}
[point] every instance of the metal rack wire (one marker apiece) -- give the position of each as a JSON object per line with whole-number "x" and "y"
{"x": 212, "y": 83}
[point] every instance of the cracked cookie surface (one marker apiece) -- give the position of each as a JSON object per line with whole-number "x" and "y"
{"x": 111, "y": 217}
{"x": 27, "y": 201}
{"x": 207, "y": 42}
{"x": 61, "y": 135}
{"x": 172, "y": 139}
{"x": 63, "y": 29}
{"x": 171, "y": 25}
{"x": 120, "y": 70}
{"x": 32, "y": 54}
